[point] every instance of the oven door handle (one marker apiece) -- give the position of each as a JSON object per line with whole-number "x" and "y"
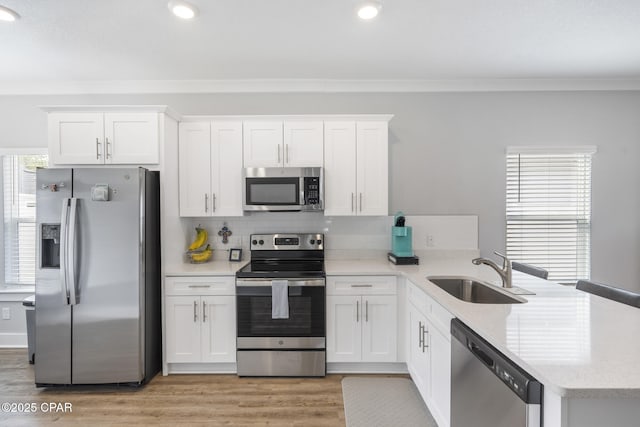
{"x": 293, "y": 283}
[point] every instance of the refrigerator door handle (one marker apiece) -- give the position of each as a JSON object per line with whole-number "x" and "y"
{"x": 64, "y": 218}
{"x": 71, "y": 244}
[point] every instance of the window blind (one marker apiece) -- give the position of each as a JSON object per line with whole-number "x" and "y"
{"x": 548, "y": 210}
{"x": 19, "y": 194}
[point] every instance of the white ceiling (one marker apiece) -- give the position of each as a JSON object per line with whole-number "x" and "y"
{"x": 80, "y": 43}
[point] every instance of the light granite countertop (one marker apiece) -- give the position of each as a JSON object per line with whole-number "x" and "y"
{"x": 577, "y": 344}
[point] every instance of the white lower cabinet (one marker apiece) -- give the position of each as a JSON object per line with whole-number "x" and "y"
{"x": 361, "y": 325}
{"x": 200, "y": 318}
{"x": 429, "y": 352}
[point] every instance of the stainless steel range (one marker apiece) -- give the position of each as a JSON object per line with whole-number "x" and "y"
{"x": 281, "y": 307}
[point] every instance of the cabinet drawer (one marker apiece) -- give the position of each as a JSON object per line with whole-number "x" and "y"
{"x": 361, "y": 285}
{"x": 194, "y": 285}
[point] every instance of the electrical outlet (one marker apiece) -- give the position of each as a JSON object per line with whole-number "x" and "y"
{"x": 6, "y": 313}
{"x": 430, "y": 240}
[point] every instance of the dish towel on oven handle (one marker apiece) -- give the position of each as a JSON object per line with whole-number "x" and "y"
{"x": 279, "y": 299}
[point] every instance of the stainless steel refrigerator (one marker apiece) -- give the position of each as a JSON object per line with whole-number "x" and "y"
{"x": 97, "y": 276}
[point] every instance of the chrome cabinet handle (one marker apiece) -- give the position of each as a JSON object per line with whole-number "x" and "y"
{"x": 366, "y": 311}
{"x": 420, "y": 336}
{"x": 206, "y": 202}
{"x": 361, "y": 286}
{"x": 278, "y": 153}
{"x": 199, "y": 286}
{"x": 424, "y": 339}
{"x": 287, "y": 153}
{"x": 195, "y": 311}
{"x": 106, "y": 140}
{"x": 204, "y": 311}
{"x": 97, "y": 149}
{"x": 352, "y": 197}
{"x": 214, "y": 202}
{"x": 357, "y": 311}
{"x": 360, "y": 202}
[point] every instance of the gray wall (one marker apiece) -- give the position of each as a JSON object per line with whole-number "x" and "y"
{"x": 447, "y": 150}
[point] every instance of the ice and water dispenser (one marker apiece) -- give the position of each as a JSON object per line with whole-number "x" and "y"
{"x": 50, "y": 246}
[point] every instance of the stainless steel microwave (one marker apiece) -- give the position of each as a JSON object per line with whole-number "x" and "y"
{"x": 283, "y": 189}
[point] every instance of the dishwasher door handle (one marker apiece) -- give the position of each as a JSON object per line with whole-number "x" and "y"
{"x": 484, "y": 357}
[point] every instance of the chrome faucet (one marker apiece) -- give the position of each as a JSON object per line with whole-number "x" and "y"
{"x": 504, "y": 272}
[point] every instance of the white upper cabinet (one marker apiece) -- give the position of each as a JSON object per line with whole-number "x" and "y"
{"x": 283, "y": 144}
{"x": 226, "y": 168}
{"x": 194, "y": 158}
{"x": 96, "y": 138}
{"x": 303, "y": 143}
{"x": 210, "y": 171}
{"x": 262, "y": 144}
{"x": 356, "y": 167}
{"x": 131, "y": 138}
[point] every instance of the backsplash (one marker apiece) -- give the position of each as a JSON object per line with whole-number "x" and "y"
{"x": 345, "y": 237}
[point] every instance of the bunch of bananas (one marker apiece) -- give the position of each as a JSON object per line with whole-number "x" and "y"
{"x": 195, "y": 253}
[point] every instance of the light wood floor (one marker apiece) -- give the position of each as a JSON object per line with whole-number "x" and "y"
{"x": 175, "y": 400}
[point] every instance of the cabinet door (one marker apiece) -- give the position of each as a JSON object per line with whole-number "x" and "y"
{"x": 226, "y": 168}
{"x": 344, "y": 336}
{"x": 339, "y": 168}
{"x": 418, "y": 356}
{"x": 379, "y": 328}
{"x": 76, "y": 138}
{"x": 194, "y": 158}
{"x": 218, "y": 329}
{"x": 440, "y": 375}
{"x": 131, "y": 138}
{"x": 372, "y": 168}
{"x": 262, "y": 142}
{"x": 303, "y": 143}
{"x": 182, "y": 329}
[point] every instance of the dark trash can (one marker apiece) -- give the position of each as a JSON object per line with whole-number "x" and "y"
{"x": 29, "y": 304}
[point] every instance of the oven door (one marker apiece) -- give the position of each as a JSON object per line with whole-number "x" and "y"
{"x": 305, "y": 327}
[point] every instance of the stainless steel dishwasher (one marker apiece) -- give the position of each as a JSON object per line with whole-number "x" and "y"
{"x": 488, "y": 389}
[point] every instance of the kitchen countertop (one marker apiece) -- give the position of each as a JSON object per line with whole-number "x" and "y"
{"x": 577, "y": 344}
{"x": 213, "y": 268}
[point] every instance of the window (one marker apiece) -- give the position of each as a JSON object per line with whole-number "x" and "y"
{"x": 549, "y": 210}
{"x": 19, "y": 228}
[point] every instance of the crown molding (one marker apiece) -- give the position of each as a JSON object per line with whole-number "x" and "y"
{"x": 311, "y": 86}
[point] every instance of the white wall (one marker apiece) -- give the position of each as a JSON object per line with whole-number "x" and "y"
{"x": 447, "y": 150}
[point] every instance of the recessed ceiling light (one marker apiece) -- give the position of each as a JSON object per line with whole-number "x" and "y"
{"x": 182, "y": 9}
{"x": 7, "y": 14}
{"x": 369, "y": 9}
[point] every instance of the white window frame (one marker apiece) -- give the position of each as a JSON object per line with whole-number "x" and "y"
{"x": 572, "y": 218}
{"x": 12, "y": 152}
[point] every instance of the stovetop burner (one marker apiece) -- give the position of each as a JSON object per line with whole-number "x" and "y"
{"x": 285, "y": 255}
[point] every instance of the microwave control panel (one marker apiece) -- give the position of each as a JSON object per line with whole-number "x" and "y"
{"x": 311, "y": 190}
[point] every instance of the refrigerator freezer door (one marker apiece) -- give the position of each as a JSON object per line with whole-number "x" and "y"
{"x": 107, "y": 341}
{"x": 53, "y": 314}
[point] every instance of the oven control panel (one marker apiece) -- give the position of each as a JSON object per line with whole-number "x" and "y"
{"x": 287, "y": 242}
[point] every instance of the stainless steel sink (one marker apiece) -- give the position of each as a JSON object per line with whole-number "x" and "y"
{"x": 472, "y": 290}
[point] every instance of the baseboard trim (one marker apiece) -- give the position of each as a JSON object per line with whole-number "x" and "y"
{"x": 201, "y": 368}
{"x": 13, "y": 340}
{"x": 367, "y": 368}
